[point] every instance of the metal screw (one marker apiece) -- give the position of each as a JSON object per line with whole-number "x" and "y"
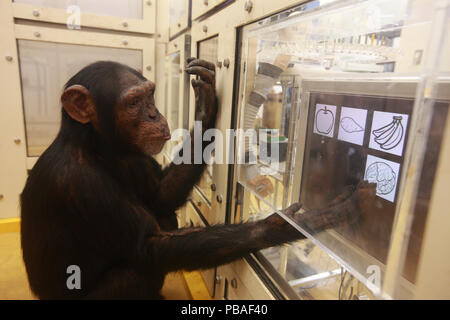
{"x": 9, "y": 58}
{"x": 125, "y": 42}
{"x": 175, "y": 45}
{"x": 234, "y": 283}
{"x": 149, "y": 3}
{"x": 149, "y": 68}
{"x": 199, "y": 203}
{"x": 17, "y": 141}
{"x": 205, "y": 28}
{"x": 179, "y": 25}
{"x": 219, "y": 64}
{"x": 226, "y": 63}
{"x": 219, "y": 198}
{"x": 37, "y": 34}
{"x": 248, "y": 6}
{"x": 125, "y": 24}
{"x": 205, "y": 2}
{"x": 213, "y": 187}
{"x": 36, "y": 13}
{"x": 1, "y": 197}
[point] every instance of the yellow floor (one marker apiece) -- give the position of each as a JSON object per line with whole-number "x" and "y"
{"x": 14, "y": 284}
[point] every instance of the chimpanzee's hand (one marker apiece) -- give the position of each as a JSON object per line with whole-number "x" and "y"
{"x": 347, "y": 208}
{"x": 344, "y": 209}
{"x": 205, "y": 90}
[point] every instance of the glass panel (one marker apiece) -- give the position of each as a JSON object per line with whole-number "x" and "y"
{"x": 116, "y": 8}
{"x": 177, "y": 10}
{"x": 329, "y": 98}
{"x": 45, "y": 68}
{"x": 207, "y": 50}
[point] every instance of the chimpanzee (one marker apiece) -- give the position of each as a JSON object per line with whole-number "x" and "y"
{"x": 97, "y": 199}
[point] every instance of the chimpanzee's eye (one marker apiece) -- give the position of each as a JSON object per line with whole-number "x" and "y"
{"x": 134, "y": 103}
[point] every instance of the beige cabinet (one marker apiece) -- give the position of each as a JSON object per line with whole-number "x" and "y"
{"x": 40, "y": 58}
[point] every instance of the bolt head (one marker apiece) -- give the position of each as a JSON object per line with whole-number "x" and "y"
{"x": 125, "y": 42}
{"x": 9, "y": 58}
{"x": 149, "y": 68}
{"x": 36, "y": 13}
{"x": 205, "y": 28}
{"x": 37, "y": 34}
{"x": 149, "y": 2}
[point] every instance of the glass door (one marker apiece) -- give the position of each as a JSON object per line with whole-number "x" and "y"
{"x": 332, "y": 95}
{"x": 207, "y": 50}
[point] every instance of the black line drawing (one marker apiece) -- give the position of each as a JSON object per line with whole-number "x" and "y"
{"x": 390, "y": 135}
{"x": 349, "y": 125}
{"x": 324, "y": 121}
{"x": 383, "y": 175}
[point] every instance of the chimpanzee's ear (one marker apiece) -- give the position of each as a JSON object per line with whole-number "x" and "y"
{"x": 79, "y": 104}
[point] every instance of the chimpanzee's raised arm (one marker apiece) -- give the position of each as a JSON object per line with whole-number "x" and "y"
{"x": 179, "y": 179}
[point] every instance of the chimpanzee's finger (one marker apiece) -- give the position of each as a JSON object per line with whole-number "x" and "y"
{"x": 201, "y": 83}
{"x": 201, "y": 63}
{"x": 293, "y": 208}
{"x": 189, "y": 60}
{"x": 205, "y": 74}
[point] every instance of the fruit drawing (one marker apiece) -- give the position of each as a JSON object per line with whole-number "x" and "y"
{"x": 351, "y": 126}
{"x": 390, "y": 135}
{"x": 324, "y": 121}
{"x": 383, "y": 175}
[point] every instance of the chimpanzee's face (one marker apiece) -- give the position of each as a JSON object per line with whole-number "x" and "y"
{"x": 138, "y": 121}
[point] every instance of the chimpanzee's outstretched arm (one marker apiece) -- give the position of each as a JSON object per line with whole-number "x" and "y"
{"x": 179, "y": 179}
{"x": 198, "y": 248}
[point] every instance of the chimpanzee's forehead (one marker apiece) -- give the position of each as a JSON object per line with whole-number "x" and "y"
{"x": 128, "y": 79}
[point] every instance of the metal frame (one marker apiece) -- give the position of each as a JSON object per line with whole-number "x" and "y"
{"x": 43, "y": 14}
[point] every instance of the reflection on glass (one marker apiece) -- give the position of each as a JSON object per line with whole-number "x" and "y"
{"x": 116, "y": 8}
{"x": 207, "y": 50}
{"x": 177, "y": 10}
{"x": 45, "y": 68}
{"x": 335, "y": 77}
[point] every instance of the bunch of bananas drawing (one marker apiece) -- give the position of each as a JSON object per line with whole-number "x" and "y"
{"x": 390, "y": 136}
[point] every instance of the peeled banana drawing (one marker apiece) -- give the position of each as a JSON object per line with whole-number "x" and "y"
{"x": 390, "y": 136}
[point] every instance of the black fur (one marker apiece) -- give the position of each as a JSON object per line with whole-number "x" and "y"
{"x": 91, "y": 202}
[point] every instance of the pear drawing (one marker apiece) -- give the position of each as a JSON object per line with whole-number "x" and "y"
{"x": 351, "y": 126}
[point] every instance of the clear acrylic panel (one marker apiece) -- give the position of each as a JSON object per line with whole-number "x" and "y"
{"x": 177, "y": 10}
{"x": 207, "y": 50}
{"x": 116, "y": 8}
{"x": 45, "y": 68}
{"x": 330, "y": 97}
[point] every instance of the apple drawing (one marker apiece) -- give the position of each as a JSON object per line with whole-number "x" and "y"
{"x": 324, "y": 121}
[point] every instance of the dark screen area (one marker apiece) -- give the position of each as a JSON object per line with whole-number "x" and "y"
{"x": 331, "y": 164}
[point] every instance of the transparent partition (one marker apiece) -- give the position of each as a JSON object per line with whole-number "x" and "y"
{"x": 207, "y": 50}
{"x": 45, "y": 68}
{"x": 117, "y": 8}
{"x": 178, "y": 9}
{"x": 334, "y": 93}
